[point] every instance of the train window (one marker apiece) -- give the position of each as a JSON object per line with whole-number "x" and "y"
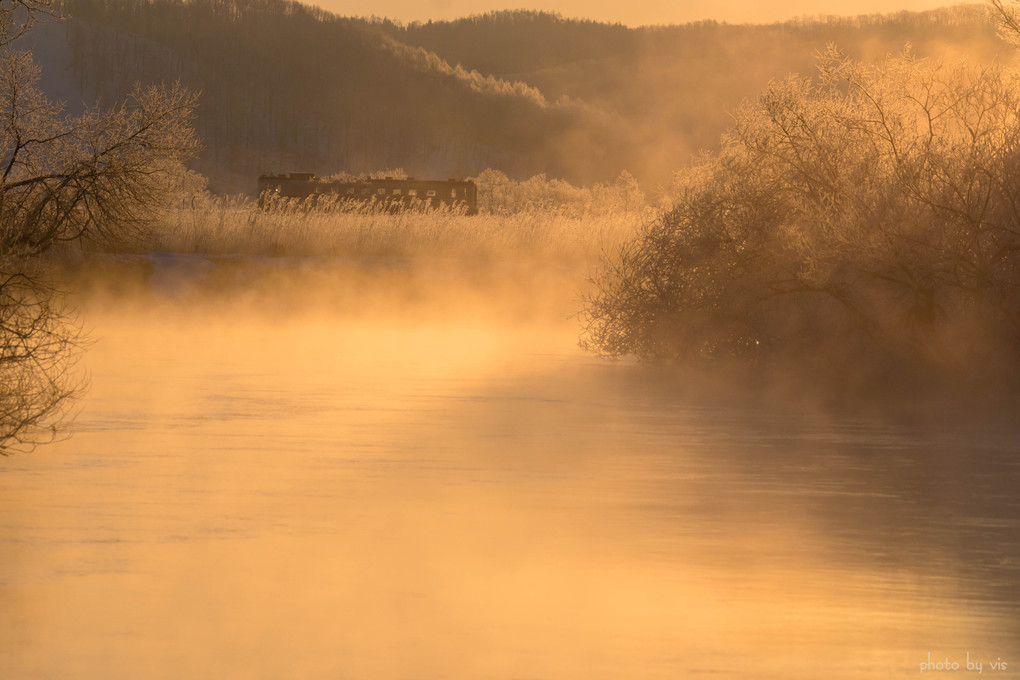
{"x": 396, "y": 192}
{"x": 350, "y": 190}
{"x": 431, "y": 192}
{"x": 412, "y": 192}
{"x": 364, "y": 192}
{"x": 380, "y": 191}
{"x": 453, "y": 193}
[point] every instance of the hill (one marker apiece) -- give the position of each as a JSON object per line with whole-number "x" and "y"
{"x": 287, "y": 87}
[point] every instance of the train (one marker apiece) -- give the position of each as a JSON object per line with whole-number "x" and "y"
{"x": 393, "y": 193}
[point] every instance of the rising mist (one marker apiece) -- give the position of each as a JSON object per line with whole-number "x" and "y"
{"x": 720, "y": 379}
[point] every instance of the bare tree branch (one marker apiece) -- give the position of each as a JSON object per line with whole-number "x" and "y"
{"x": 101, "y": 176}
{"x": 18, "y": 16}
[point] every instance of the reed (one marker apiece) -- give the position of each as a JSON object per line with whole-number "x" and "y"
{"x": 223, "y": 226}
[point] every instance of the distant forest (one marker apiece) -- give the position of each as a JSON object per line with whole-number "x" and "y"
{"x": 287, "y": 87}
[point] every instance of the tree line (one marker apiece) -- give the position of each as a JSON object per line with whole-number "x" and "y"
{"x": 287, "y": 87}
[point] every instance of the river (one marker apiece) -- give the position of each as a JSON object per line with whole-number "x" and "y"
{"x": 395, "y": 482}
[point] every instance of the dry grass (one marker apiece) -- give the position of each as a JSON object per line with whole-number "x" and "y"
{"x": 239, "y": 227}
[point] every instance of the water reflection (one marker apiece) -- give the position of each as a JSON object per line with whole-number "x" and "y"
{"x": 323, "y": 497}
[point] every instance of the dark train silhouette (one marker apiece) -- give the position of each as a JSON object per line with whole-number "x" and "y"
{"x": 393, "y": 193}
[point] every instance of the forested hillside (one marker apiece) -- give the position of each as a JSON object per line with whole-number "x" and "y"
{"x": 285, "y": 87}
{"x": 677, "y": 86}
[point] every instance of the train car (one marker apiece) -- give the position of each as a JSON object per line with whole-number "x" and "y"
{"x": 393, "y": 193}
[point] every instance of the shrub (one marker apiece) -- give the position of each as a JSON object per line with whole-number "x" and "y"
{"x": 540, "y": 195}
{"x": 867, "y": 218}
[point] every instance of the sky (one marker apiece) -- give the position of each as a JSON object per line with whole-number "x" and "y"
{"x": 635, "y": 13}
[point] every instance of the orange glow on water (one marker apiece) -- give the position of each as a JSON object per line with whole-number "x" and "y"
{"x": 321, "y": 497}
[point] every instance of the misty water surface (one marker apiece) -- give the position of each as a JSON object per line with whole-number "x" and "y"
{"x": 397, "y": 474}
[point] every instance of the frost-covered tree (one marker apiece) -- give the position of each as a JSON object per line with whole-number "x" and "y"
{"x": 868, "y": 218}
{"x": 96, "y": 176}
{"x": 1008, "y": 15}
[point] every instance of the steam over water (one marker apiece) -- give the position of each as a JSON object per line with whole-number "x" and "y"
{"x": 302, "y": 470}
